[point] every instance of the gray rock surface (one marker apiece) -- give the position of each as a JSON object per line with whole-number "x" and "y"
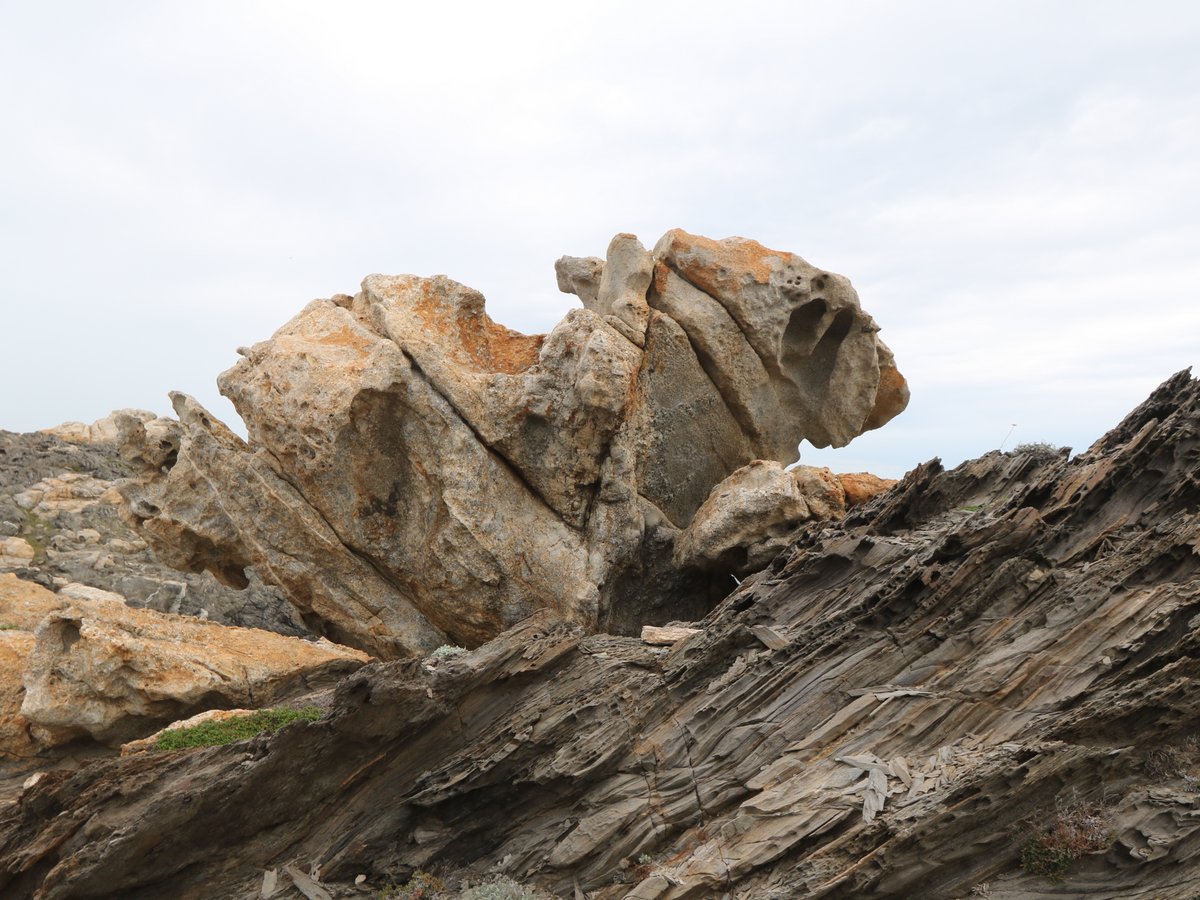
{"x": 57, "y": 497}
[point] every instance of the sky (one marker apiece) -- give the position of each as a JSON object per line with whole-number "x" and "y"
{"x": 1012, "y": 187}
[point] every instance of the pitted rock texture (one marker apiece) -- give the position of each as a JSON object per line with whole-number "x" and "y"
{"x": 418, "y": 474}
{"x": 894, "y": 709}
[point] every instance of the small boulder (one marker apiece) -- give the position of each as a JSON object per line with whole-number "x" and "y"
{"x": 104, "y": 670}
{"x": 863, "y": 486}
{"x": 751, "y": 516}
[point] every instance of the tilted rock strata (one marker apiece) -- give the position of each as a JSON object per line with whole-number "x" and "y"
{"x": 892, "y": 710}
{"x": 417, "y": 473}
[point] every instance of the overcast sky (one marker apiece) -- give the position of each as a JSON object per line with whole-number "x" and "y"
{"x": 1013, "y": 188}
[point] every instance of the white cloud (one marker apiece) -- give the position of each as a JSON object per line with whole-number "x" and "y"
{"x": 1012, "y": 187}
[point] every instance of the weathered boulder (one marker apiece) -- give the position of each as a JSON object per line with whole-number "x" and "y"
{"x": 859, "y": 487}
{"x": 788, "y": 346}
{"x": 23, "y": 604}
{"x": 17, "y": 744}
{"x": 417, "y": 473}
{"x": 100, "y": 669}
{"x": 15, "y": 551}
{"x": 753, "y": 515}
{"x": 748, "y": 519}
{"x": 103, "y": 431}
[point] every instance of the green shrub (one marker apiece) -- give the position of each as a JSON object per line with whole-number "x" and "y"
{"x": 420, "y": 886}
{"x": 1039, "y": 450}
{"x": 216, "y": 733}
{"x": 1072, "y": 833}
{"x": 447, "y": 650}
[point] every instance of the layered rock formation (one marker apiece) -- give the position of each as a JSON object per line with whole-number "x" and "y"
{"x": 902, "y": 705}
{"x": 417, "y": 473}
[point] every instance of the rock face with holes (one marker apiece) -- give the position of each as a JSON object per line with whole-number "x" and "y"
{"x": 418, "y": 474}
{"x": 903, "y": 704}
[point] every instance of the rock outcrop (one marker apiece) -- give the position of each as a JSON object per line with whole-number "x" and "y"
{"x": 108, "y": 429}
{"x": 416, "y": 473}
{"x": 911, "y": 702}
{"x": 82, "y": 664}
{"x": 753, "y": 515}
{"x": 60, "y": 524}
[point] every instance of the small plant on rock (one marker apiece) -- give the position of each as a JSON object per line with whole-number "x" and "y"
{"x": 1075, "y": 831}
{"x": 448, "y": 650}
{"x": 1175, "y": 760}
{"x": 1041, "y": 451}
{"x": 227, "y": 731}
{"x": 499, "y": 888}
{"x": 421, "y": 885}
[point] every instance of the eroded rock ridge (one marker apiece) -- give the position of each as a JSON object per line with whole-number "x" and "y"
{"x": 418, "y": 474}
{"x": 895, "y": 708}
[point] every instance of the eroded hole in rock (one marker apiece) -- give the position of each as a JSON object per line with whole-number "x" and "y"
{"x": 67, "y": 633}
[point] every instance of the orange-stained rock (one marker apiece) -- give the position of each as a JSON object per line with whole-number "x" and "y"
{"x": 104, "y": 670}
{"x": 23, "y": 604}
{"x": 16, "y": 744}
{"x": 828, "y": 376}
{"x": 862, "y": 486}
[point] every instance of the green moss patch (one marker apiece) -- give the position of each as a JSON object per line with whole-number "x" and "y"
{"x": 228, "y": 731}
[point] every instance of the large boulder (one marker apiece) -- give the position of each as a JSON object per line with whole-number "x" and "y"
{"x": 754, "y": 514}
{"x": 417, "y": 473}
